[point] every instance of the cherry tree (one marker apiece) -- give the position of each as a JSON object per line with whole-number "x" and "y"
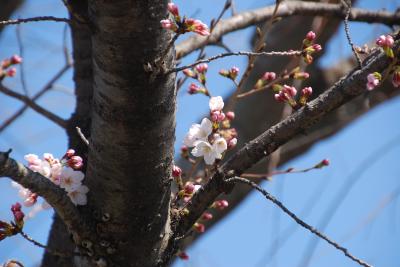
{"x": 120, "y": 196}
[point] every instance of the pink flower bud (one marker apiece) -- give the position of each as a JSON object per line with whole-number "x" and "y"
{"x": 234, "y": 72}
{"x": 75, "y": 162}
{"x": 19, "y": 216}
{"x": 289, "y": 90}
{"x": 307, "y": 91}
{"x": 201, "y": 68}
{"x": 30, "y": 201}
{"x": 183, "y": 255}
{"x": 195, "y": 25}
{"x": 11, "y": 72}
{"x": 217, "y": 116}
{"x": 279, "y": 97}
{"x": 16, "y": 207}
{"x": 199, "y": 227}
{"x": 176, "y": 171}
{"x": 184, "y": 149}
{"x": 15, "y": 59}
{"x": 70, "y": 152}
{"x": 310, "y": 36}
{"x": 221, "y": 204}
{"x": 230, "y": 115}
{"x": 189, "y": 188}
{"x": 385, "y": 41}
{"x": 317, "y": 47}
{"x": 168, "y": 24}
{"x": 301, "y": 75}
{"x": 173, "y": 9}
{"x": 323, "y": 163}
{"x": 373, "y": 80}
{"x": 189, "y": 73}
{"x": 269, "y": 76}
{"x": 232, "y": 143}
{"x": 193, "y": 89}
{"x": 207, "y": 216}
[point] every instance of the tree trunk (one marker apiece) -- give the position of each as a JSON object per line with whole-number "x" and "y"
{"x": 132, "y": 132}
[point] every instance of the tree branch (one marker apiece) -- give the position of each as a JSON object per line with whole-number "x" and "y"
{"x": 245, "y": 19}
{"x": 34, "y": 19}
{"x": 54, "y": 195}
{"x": 239, "y": 53}
{"x": 46, "y": 88}
{"x": 297, "y": 219}
{"x": 29, "y": 102}
{"x": 340, "y": 93}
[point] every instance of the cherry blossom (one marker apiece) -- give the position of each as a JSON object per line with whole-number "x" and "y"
{"x": 216, "y": 103}
{"x": 78, "y": 197}
{"x": 208, "y": 151}
{"x": 71, "y": 180}
{"x": 372, "y": 81}
{"x": 205, "y": 149}
{"x": 198, "y": 132}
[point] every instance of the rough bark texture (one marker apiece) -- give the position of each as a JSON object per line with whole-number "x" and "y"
{"x": 132, "y": 132}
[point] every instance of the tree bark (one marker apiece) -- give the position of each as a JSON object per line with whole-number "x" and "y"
{"x": 132, "y": 132}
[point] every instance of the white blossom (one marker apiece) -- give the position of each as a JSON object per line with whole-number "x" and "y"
{"x": 204, "y": 149}
{"x": 78, "y": 197}
{"x": 70, "y": 180}
{"x": 216, "y": 103}
{"x": 219, "y": 145}
{"x": 198, "y": 132}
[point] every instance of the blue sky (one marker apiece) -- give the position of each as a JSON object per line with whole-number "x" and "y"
{"x": 243, "y": 239}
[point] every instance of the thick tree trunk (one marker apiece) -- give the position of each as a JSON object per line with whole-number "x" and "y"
{"x": 132, "y": 132}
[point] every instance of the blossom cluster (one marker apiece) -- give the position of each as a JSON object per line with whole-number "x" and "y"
{"x": 64, "y": 173}
{"x": 197, "y": 73}
{"x": 309, "y": 47}
{"x": 386, "y": 42}
{"x": 6, "y": 66}
{"x": 208, "y": 139}
{"x": 181, "y": 25}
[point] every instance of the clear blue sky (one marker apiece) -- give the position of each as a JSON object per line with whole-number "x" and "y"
{"x": 244, "y": 238}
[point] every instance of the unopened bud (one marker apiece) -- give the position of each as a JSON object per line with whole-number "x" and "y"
{"x": 176, "y": 171}
{"x": 207, "y": 216}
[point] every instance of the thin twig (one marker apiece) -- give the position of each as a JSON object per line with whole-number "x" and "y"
{"x": 297, "y": 219}
{"x": 32, "y": 104}
{"x": 348, "y": 184}
{"x": 288, "y": 8}
{"x": 259, "y": 46}
{"x": 212, "y": 27}
{"x": 280, "y": 79}
{"x": 46, "y": 88}
{"x": 81, "y": 135}
{"x": 239, "y": 53}
{"x": 34, "y": 19}
{"x": 347, "y": 5}
{"x": 49, "y": 250}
